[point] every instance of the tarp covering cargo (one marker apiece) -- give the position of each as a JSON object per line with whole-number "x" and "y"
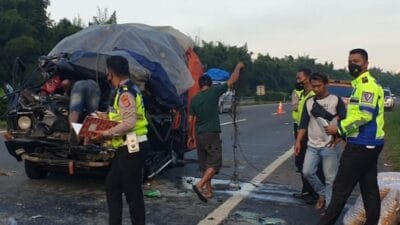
{"x": 154, "y": 53}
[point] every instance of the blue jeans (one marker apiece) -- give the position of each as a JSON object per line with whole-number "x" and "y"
{"x": 85, "y": 95}
{"x": 330, "y": 165}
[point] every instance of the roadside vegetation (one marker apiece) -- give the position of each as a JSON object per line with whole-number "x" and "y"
{"x": 28, "y": 31}
{"x": 392, "y": 138}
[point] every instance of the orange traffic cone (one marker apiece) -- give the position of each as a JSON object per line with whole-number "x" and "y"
{"x": 280, "y": 109}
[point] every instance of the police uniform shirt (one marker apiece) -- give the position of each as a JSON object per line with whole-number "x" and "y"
{"x": 127, "y": 107}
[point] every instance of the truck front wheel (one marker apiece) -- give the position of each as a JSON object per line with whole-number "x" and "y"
{"x": 35, "y": 171}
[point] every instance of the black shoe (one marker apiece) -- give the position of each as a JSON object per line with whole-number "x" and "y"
{"x": 302, "y": 195}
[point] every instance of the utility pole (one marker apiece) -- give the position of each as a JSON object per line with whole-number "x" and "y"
{"x": 234, "y": 184}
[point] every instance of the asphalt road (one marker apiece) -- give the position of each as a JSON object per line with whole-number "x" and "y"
{"x": 80, "y": 199}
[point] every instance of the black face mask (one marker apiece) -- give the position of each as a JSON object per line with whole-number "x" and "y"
{"x": 354, "y": 69}
{"x": 299, "y": 86}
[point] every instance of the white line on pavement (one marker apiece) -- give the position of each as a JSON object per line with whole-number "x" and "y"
{"x": 219, "y": 214}
{"x": 237, "y": 121}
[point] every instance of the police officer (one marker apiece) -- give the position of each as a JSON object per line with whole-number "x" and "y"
{"x": 303, "y": 78}
{"x": 125, "y": 175}
{"x": 296, "y": 94}
{"x": 363, "y": 130}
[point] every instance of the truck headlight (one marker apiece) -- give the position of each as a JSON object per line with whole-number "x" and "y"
{"x": 24, "y": 122}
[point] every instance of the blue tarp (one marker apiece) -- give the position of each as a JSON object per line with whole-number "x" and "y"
{"x": 218, "y": 74}
{"x": 159, "y": 84}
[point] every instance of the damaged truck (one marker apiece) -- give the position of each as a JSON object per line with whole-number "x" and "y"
{"x": 163, "y": 65}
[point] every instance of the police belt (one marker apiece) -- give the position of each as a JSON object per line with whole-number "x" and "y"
{"x": 139, "y": 139}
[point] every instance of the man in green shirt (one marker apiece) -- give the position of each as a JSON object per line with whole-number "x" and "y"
{"x": 204, "y": 114}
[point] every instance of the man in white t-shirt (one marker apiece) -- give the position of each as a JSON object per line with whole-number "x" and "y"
{"x": 318, "y": 112}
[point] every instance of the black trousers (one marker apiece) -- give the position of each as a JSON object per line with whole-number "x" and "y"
{"x": 125, "y": 176}
{"x": 358, "y": 164}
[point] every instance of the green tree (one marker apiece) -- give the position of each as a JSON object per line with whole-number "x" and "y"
{"x": 277, "y": 74}
{"x": 24, "y": 30}
{"x": 218, "y": 55}
{"x": 103, "y": 18}
{"x": 62, "y": 29}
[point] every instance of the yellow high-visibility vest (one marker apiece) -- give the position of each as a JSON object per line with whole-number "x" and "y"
{"x": 115, "y": 113}
{"x": 364, "y": 117}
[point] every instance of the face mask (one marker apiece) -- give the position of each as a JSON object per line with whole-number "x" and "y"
{"x": 299, "y": 86}
{"x": 354, "y": 69}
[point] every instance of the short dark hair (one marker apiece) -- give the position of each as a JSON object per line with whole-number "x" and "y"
{"x": 118, "y": 64}
{"x": 205, "y": 80}
{"x": 306, "y": 71}
{"x": 360, "y": 51}
{"x": 320, "y": 77}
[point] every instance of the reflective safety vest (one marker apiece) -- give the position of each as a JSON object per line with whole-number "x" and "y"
{"x": 295, "y": 113}
{"x": 364, "y": 118}
{"x": 302, "y": 101}
{"x": 115, "y": 113}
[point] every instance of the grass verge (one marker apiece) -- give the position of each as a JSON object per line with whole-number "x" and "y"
{"x": 392, "y": 138}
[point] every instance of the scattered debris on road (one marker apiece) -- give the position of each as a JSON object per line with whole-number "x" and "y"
{"x": 152, "y": 194}
{"x": 4, "y": 173}
{"x": 257, "y": 219}
{"x": 37, "y": 216}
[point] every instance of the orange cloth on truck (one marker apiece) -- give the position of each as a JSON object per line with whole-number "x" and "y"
{"x": 196, "y": 69}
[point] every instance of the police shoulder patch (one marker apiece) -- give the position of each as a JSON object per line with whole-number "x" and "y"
{"x": 367, "y": 97}
{"x": 125, "y": 100}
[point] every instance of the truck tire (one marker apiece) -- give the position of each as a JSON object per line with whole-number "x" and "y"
{"x": 35, "y": 171}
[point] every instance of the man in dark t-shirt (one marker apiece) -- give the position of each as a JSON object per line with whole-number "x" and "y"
{"x": 204, "y": 114}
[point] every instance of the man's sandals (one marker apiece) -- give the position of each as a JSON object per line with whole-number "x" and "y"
{"x": 199, "y": 194}
{"x": 207, "y": 194}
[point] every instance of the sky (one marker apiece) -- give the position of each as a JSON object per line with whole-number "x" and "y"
{"x": 325, "y": 30}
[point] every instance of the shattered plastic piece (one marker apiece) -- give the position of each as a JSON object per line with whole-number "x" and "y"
{"x": 272, "y": 221}
{"x": 257, "y": 219}
{"x": 234, "y": 185}
{"x": 37, "y": 216}
{"x": 185, "y": 194}
{"x": 152, "y": 194}
{"x": 187, "y": 182}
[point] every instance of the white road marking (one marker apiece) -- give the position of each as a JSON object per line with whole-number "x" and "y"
{"x": 237, "y": 121}
{"x": 221, "y": 213}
